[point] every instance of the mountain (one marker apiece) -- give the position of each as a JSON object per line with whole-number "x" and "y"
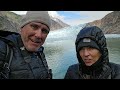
{"x": 58, "y": 24}
{"x": 110, "y": 24}
{"x": 9, "y": 22}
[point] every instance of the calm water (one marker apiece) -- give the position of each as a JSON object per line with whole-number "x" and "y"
{"x": 60, "y": 49}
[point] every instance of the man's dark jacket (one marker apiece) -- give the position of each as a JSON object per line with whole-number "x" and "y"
{"x": 24, "y": 64}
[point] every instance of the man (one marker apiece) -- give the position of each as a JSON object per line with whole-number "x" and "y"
{"x": 92, "y": 54}
{"x": 28, "y": 61}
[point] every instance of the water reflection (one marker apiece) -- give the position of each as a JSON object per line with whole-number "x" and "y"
{"x": 60, "y": 55}
{"x": 114, "y": 49}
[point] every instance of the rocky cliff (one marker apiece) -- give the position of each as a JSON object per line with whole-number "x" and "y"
{"x": 9, "y": 21}
{"x": 57, "y": 24}
{"x": 110, "y": 24}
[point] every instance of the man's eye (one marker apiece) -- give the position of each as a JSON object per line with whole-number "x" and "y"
{"x": 35, "y": 27}
{"x": 45, "y": 31}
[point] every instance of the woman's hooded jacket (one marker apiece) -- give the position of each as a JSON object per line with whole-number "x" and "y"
{"x": 102, "y": 69}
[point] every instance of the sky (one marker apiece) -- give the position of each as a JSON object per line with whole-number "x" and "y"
{"x": 74, "y": 17}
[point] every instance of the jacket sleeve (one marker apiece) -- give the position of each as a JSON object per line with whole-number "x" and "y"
{"x": 115, "y": 71}
{"x": 72, "y": 72}
{"x": 68, "y": 75}
{"x": 2, "y": 52}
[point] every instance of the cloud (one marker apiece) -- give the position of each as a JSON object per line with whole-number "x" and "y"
{"x": 56, "y": 15}
{"x": 78, "y": 17}
{"x": 95, "y": 14}
{"x": 85, "y": 16}
{"x": 74, "y": 17}
{"x": 20, "y": 12}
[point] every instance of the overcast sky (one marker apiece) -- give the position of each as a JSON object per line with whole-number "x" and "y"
{"x": 74, "y": 17}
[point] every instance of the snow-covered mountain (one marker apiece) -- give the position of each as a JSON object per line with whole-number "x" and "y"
{"x": 57, "y": 24}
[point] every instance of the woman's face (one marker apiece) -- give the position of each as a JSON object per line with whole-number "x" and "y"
{"x": 89, "y": 55}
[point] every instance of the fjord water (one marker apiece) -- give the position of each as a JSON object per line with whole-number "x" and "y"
{"x": 60, "y": 49}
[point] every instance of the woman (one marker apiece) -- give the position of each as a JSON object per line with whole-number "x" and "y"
{"x": 92, "y": 55}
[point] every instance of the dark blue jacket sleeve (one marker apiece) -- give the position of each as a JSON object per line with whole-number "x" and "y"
{"x": 2, "y": 51}
{"x": 115, "y": 70}
{"x": 72, "y": 72}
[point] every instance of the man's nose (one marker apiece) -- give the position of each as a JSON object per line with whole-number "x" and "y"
{"x": 38, "y": 33}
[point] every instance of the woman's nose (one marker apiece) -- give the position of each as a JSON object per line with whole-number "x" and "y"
{"x": 86, "y": 52}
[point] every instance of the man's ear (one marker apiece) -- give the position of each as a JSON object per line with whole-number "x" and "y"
{"x": 20, "y": 31}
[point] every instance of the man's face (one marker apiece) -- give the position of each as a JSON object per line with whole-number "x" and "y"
{"x": 34, "y": 35}
{"x": 89, "y": 55}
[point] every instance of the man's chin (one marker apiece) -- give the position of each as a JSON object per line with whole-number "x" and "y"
{"x": 31, "y": 49}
